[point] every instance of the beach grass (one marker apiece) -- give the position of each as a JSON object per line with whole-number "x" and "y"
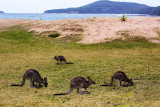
{"x": 21, "y": 50}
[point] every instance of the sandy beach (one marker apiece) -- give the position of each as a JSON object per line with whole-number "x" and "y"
{"x": 93, "y": 30}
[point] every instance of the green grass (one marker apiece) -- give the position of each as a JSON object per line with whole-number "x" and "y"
{"x": 21, "y": 50}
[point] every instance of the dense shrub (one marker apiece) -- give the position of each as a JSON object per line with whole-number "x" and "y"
{"x": 54, "y": 34}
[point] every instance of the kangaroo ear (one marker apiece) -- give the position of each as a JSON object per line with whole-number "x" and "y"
{"x": 88, "y": 77}
{"x": 45, "y": 78}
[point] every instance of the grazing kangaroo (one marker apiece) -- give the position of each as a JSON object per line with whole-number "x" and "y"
{"x": 119, "y": 76}
{"x": 60, "y": 59}
{"x": 78, "y": 83}
{"x": 34, "y": 76}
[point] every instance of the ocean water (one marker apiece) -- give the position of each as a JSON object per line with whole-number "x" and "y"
{"x": 50, "y": 16}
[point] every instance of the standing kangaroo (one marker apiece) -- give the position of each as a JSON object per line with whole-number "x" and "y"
{"x": 34, "y": 76}
{"x": 78, "y": 83}
{"x": 119, "y": 76}
{"x": 60, "y": 59}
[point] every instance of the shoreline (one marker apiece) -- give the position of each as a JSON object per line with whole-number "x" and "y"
{"x": 59, "y": 16}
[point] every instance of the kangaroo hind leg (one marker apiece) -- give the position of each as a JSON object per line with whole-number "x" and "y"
{"x": 82, "y": 92}
{"x": 31, "y": 83}
{"x": 85, "y": 92}
{"x": 119, "y": 83}
{"x": 79, "y": 90}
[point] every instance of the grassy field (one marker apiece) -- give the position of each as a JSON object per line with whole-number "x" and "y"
{"x": 21, "y": 50}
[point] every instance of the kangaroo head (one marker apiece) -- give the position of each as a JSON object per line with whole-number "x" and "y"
{"x": 45, "y": 82}
{"x": 90, "y": 80}
{"x": 55, "y": 57}
{"x": 130, "y": 81}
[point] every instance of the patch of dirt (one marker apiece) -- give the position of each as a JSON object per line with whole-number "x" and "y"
{"x": 6, "y": 23}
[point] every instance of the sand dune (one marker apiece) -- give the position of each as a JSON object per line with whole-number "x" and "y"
{"x": 95, "y": 30}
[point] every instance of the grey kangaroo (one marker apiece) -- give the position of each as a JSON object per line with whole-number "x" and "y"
{"x": 34, "y": 76}
{"x": 60, "y": 59}
{"x": 119, "y": 76}
{"x": 78, "y": 83}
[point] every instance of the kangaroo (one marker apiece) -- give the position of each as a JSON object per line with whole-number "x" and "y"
{"x": 78, "y": 83}
{"x": 34, "y": 76}
{"x": 60, "y": 59}
{"x": 120, "y": 76}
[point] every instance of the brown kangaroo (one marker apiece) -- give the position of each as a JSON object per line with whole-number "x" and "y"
{"x": 34, "y": 76}
{"x": 78, "y": 83}
{"x": 119, "y": 76}
{"x": 60, "y": 59}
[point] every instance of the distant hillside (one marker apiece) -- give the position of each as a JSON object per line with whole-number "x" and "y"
{"x": 109, "y": 7}
{"x": 156, "y": 11}
{"x": 1, "y": 12}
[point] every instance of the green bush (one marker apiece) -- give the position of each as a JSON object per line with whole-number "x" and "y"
{"x": 123, "y": 18}
{"x": 54, "y": 34}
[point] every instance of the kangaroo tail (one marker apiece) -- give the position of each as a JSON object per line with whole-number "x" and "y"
{"x": 69, "y": 63}
{"x": 105, "y": 85}
{"x": 24, "y": 79}
{"x": 15, "y": 85}
{"x": 110, "y": 84}
{"x": 20, "y": 85}
{"x": 69, "y": 92}
{"x": 61, "y": 94}
{"x": 112, "y": 78}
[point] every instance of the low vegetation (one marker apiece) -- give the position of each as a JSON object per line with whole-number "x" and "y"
{"x": 158, "y": 35}
{"x": 21, "y": 50}
{"x": 126, "y": 36}
{"x": 73, "y": 27}
{"x": 72, "y": 38}
{"x": 54, "y": 34}
{"x": 123, "y": 18}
